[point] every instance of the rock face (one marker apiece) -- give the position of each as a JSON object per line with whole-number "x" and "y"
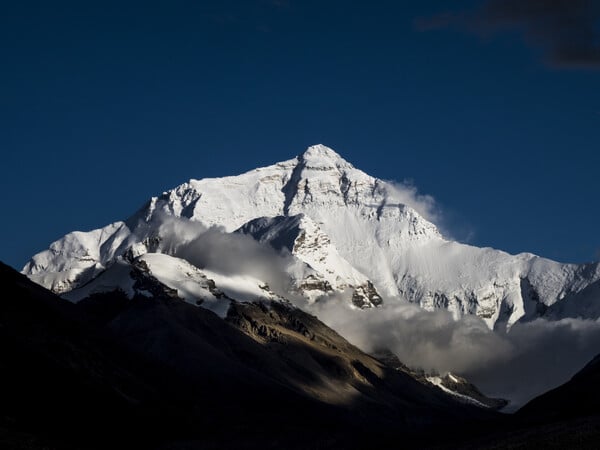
{"x": 346, "y": 232}
{"x": 323, "y": 270}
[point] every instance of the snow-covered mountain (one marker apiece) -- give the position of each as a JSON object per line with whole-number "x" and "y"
{"x": 337, "y": 231}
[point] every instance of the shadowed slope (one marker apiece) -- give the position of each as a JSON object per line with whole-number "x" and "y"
{"x": 156, "y": 371}
{"x": 578, "y": 397}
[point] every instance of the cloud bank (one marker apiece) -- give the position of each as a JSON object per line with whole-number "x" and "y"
{"x": 519, "y": 365}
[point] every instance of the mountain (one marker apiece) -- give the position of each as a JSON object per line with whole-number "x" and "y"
{"x": 336, "y": 231}
{"x": 565, "y": 417}
{"x": 579, "y": 397}
{"x": 156, "y": 372}
{"x": 461, "y": 389}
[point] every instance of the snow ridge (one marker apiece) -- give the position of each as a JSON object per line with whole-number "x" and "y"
{"x": 347, "y": 232}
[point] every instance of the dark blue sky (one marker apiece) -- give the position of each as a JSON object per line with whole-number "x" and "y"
{"x": 103, "y": 105}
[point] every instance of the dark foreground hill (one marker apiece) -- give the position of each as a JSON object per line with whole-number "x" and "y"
{"x": 156, "y": 372}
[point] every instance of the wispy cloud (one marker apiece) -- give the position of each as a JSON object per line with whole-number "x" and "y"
{"x": 567, "y": 31}
{"x": 225, "y": 253}
{"x": 449, "y": 224}
{"x": 407, "y": 194}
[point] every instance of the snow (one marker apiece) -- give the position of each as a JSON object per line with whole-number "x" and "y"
{"x": 191, "y": 283}
{"x": 437, "y": 381}
{"x": 78, "y": 257}
{"x": 117, "y": 276}
{"x": 355, "y": 230}
{"x": 305, "y": 240}
{"x": 242, "y": 288}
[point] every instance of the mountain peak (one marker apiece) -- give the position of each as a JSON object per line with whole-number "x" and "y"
{"x": 321, "y": 156}
{"x": 358, "y": 225}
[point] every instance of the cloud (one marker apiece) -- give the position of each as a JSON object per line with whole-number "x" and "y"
{"x": 235, "y": 254}
{"x": 433, "y": 341}
{"x": 451, "y": 225}
{"x": 226, "y": 253}
{"x": 545, "y": 354}
{"x": 407, "y": 194}
{"x": 519, "y": 365}
{"x": 567, "y": 31}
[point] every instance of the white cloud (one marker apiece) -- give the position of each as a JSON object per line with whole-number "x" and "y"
{"x": 222, "y": 252}
{"x": 529, "y": 360}
{"x": 407, "y": 194}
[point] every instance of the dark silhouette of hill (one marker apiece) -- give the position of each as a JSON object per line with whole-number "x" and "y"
{"x": 156, "y": 372}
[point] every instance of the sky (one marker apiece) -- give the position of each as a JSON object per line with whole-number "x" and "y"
{"x": 492, "y": 107}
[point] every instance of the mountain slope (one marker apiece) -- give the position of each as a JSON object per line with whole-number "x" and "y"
{"x": 579, "y": 397}
{"x": 565, "y": 417}
{"x": 325, "y": 270}
{"x": 366, "y": 234}
{"x": 50, "y": 357}
{"x": 154, "y": 370}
